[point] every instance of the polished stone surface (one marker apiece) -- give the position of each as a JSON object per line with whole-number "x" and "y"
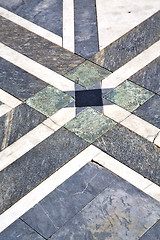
{"x": 153, "y": 233}
{"x": 129, "y": 95}
{"x": 87, "y": 74}
{"x": 86, "y": 29}
{"x": 149, "y": 76}
{"x": 150, "y": 111}
{"x": 17, "y": 123}
{"x": 86, "y": 98}
{"x": 89, "y": 124}
{"x": 132, "y": 150}
{"x": 130, "y": 45}
{"x": 51, "y": 213}
{"x": 19, "y": 231}
{"x": 40, "y": 50}
{"x": 45, "y": 13}
{"x": 37, "y": 164}
{"x": 49, "y": 100}
{"x": 120, "y": 212}
{"x": 18, "y": 82}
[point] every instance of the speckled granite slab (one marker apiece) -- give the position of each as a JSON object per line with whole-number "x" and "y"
{"x": 52, "y": 153}
{"x": 131, "y": 44}
{"x": 132, "y": 150}
{"x": 40, "y": 50}
{"x": 18, "y": 122}
{"x": 47, "y": 14}
{"x": 98, "y": 205}
{"x": 18, "y": 82}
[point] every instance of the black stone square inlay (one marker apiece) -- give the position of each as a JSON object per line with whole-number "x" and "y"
{"x": 88, "y": 98}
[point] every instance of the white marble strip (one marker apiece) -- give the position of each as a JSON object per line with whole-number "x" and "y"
{"x": 68, "y": 25}
{"x": 4, "y": 109}
{"x": 157, "y": 140}
{"x": 31, "y": 26}
{"x": 133, "y": 66}
{"x": 35, "y": 136}
{"x": 141, "y": 127}
{"x": 8, "y": 99}
{"x": 23, "y": 145}
{"x": 115, "y": 18}
{"x": 132, "y": 122}
{"x": 129, "y": 175}
{"x": 36, "y": 69}
{"x": 47, "y": 186}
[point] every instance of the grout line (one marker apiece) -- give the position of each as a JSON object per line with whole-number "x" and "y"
{"x": 68, "y": 25}
{"x": 42, "y": 32}
{"x": 133, "y": 66}
{"x": 36, "y": 69}
{"x": 47, "y": 186}
{"x": 128, "y": 174}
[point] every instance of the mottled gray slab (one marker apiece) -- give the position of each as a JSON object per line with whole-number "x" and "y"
{"x": 18, "y": 122}
{"x": 19, "y": 231}
{"x": 45, "y": 13}
{"x": 68, "y": 199}
{"x": 120, "y": 212}
{"x": 131, "y": 44}
{"x": 150, "y": 111}
{"x": 36, "y": 165}
{"x": 86, "y": 30}
{"x": 1, "y": 103}
{"x": 132, "y": 150}
{"x": 149, "y": 76}
{"x": 37, "y": 48}
{"x": 153, "y": 233}
{"x": 18, "y": 82}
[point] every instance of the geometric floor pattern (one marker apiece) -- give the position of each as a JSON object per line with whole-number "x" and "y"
{"x": 79, "y": 120}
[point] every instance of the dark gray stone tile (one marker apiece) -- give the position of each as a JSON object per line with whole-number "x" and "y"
{"x": 86, "y": 32}
{"x": 132, "y": 150}
{"x": 1, "y": 103}
{"x": 153, "y": 233}
{"x": 19, "y": 231}
{"x": 17, "y": 123}
{"x": 36, "y": 165}
{"x": 149, "y": 76}
{"x": 120, "y": 212}
{"x": 150, "y": 111}
{"x": 18, "y": 82}
{"x": 131, "y": 44}
{"x": 47, "y": 14}
{"x": 37, "y": 48}
{"x": 76, "y": 192}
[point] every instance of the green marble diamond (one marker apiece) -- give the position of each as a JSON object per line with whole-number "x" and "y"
{"x": 87, "y": 74}
{"x": 89, "y": 124}
{"x": 129, "y": 95}
{"x": 49, "y": 100}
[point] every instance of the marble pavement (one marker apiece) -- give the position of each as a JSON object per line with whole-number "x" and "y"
{"x": 79, "y": 120}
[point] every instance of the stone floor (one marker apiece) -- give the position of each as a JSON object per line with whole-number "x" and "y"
{"x": 79, "y": 120}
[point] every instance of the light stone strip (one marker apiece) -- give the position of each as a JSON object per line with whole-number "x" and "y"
{"x": 129, "y": 175}
{"x": 4, "y": 109}
{"x": 47, "y": 186}
{"x": 133, "y": 66}
{"x": 8, "y": 99}
{"x": 23, "y": 145}
{"x": 36, "y": 69}
{"x": 115, "y": 18}
{"x": 35, "y": 136}
{"x": 68, "y": 25}
{"x": 31, "y": 26}
{"x": 132, "y": 122}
